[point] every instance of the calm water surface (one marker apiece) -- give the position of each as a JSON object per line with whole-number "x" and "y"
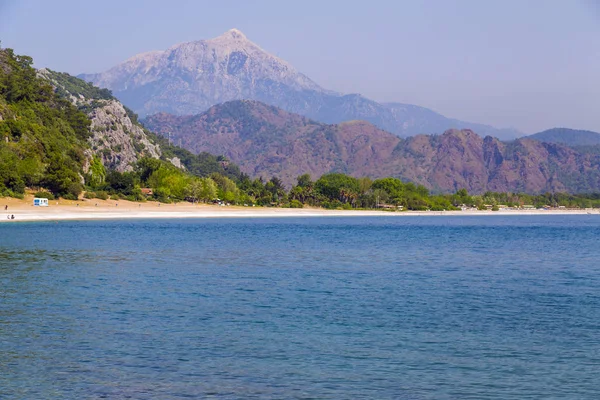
{"x": 320, "y": 308}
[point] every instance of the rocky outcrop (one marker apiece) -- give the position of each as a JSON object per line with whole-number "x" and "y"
{"x": 116, "y": 139}
{"x": 267, "y": 141}
{"x": 189, "y": 78}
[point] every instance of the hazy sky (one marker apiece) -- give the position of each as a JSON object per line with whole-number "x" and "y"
{"x": 526, "y": 64}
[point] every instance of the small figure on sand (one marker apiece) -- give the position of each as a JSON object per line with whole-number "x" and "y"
{"x": 6, "y": 207}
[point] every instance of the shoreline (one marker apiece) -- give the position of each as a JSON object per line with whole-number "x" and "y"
{"x": 68, "y": 210}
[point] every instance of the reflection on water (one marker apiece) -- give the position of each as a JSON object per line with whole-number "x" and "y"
{"x": 423, "y": 308}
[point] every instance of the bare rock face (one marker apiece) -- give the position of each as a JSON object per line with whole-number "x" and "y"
{"x": 176, "y": 161}
{"x": 116, "y": 139}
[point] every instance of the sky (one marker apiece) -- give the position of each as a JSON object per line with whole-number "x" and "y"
{"x": 530, "y": 65}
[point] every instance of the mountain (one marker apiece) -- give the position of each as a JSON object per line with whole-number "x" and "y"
{"x": 189, "y": 78}
{"x": 267, "y": 141}
{"x": 462, "y": 158}
{"x": 570, "y": 137}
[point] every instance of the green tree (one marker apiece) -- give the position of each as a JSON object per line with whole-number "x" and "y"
{"x": 97, "y": 173}
{"x": 227, "y": 189}
{"x": 336, "y": 186}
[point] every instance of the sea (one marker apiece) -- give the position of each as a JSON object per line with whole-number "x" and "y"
{"x": 473, "y": 307}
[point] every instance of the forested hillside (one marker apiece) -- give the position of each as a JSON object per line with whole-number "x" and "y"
{"x": 43, "y": 137}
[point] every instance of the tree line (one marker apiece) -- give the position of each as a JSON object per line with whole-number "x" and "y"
{"x": 330, "y": 191}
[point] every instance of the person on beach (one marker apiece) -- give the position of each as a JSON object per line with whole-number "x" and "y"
{"x": 6, "y": 207}
{"x": 12, "y": 216}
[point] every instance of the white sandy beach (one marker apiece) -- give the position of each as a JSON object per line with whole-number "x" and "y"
{"x": 23, "y": 210}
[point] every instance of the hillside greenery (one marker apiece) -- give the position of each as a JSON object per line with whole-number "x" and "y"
{"x": 42, "y": 136}
{"x": 68, "y": 85}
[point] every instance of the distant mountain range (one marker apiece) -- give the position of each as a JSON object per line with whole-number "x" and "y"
{"x": 189, "y": 78}
{"x": 570, "y": 137}
{"x": 267, "y": 141}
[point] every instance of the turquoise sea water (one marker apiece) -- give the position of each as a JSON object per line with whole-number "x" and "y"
{"x": 319, "y": 308}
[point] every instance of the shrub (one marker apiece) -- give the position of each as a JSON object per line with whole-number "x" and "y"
{"x": 132, "y": 197}
{"x": 296, "y": 204}
{"x": 10, "y": 193}
{"x": 332, "y": 205}
{"x": 89, "y": 195}
{"x": 44, "y": 195}
{"x": 102, "y": 195}
{"x": 74, "y": 189}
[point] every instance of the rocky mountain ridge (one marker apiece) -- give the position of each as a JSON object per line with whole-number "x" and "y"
{"x": 189, "y": 78}
{"x": 267, "y": 141}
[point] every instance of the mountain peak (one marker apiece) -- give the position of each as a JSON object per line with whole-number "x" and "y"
{"x": 232, "y": 35}
{"x": 235, "y": 34}
{"x": 189, "y": 78}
